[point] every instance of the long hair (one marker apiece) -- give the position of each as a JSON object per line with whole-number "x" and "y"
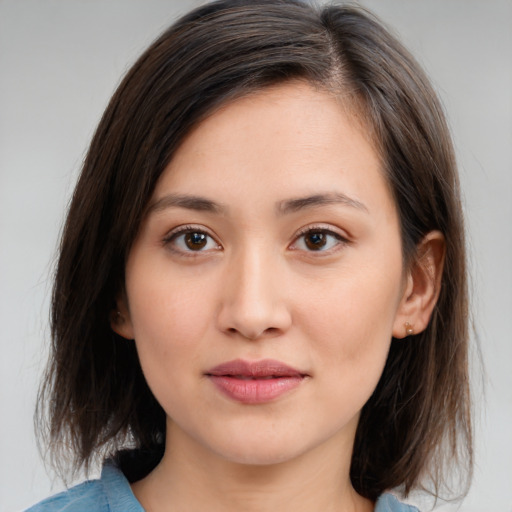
{"x": 94, "y": 399}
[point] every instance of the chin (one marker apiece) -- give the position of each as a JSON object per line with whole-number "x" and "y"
{"x": 263, "y": 450}
{"x": 264, "y": 457}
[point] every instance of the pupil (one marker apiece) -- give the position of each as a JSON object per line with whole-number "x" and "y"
{"x": 195, "y": 241}
{"x": 315, "y": 241}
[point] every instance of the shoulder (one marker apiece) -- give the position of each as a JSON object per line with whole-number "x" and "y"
{"x": 389, "y": 503}
{"x": 86, "y": 496}
{"x": 111, "y": 493}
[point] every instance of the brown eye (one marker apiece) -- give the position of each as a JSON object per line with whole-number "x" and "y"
{"x": 315, "y": 240}
{"x": 196, "y": 241}
{"x": 319, "y": 240}
{"x": 189, "y": 239}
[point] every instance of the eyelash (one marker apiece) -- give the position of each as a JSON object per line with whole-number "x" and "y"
{"x": 322, "y": 230}
{"x": 173, "y": 236}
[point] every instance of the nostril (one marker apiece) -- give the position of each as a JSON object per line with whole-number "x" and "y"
{"x": 253, "y": 320}
{"x": 254, "y": 335}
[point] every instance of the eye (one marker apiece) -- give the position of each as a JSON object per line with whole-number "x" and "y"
{"x": 318, "y": 240}
{"x": 190, "y": 239}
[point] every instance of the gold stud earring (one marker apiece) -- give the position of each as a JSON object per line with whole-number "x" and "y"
{"x": 409, "y": 329}
{"x": 117, "y": 317}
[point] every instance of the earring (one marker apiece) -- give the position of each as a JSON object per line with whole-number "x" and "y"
{"x": 117, "y": 318}
{"x": 409, "y": 329}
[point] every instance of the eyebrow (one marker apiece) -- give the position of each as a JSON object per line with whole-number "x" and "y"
{"x": 294, "y": 205}
{"x": 198, "y": 203}
{"x": 186, "y": 201}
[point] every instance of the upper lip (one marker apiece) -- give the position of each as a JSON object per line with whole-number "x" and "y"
{"x": 255, "y": 369}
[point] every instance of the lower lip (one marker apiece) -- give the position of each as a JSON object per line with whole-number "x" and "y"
{"x": 255, "y": 391}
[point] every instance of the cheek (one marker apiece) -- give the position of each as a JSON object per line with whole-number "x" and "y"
{"x": 351, "y": 317}
{"x": 169, "y": 318}
{"x": 351, "y": 336}
{"x": 165, "y": 304}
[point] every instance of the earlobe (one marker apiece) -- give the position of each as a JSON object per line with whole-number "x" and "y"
{"x": 120, "y": 321}
{"x": 422, "y": 287}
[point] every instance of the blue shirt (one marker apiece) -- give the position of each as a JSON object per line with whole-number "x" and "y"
{"x": 112, "y": 493}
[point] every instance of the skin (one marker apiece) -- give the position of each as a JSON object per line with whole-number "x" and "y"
{"x": 256, "y": 290}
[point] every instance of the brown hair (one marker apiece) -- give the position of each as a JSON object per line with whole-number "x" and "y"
{"x": 94, "y": 396}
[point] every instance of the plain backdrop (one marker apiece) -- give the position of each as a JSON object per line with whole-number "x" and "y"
{"x": 60, "y": 61}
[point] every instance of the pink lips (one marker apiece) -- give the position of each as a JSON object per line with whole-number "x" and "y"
{"x": 255, "y": 382}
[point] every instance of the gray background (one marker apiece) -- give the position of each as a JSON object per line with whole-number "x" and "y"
{"x": 59, "y": 64}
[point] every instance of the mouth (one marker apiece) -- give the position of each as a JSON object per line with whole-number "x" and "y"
{"x": 255, "y": 382}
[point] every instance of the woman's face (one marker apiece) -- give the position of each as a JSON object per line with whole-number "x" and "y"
{"x": 266, "y": 281}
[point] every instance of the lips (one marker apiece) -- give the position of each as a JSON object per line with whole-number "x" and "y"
{"x": 255, "y": 382}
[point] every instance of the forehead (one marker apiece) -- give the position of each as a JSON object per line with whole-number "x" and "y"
{"x": 291, "y": 139}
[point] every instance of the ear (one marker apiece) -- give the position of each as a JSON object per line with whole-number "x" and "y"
{"x": 422, "y": 286}
{"x": 120, "y": 320}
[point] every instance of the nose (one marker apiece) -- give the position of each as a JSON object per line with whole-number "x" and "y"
{"x": 254, "y": 303}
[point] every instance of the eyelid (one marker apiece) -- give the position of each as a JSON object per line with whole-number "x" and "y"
{"x": 329, "y": 229}
{"x": 188, "y": 228}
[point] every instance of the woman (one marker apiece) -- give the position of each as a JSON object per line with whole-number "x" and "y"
{"x": 260, "y": 299}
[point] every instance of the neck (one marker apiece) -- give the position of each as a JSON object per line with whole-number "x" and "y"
{"x": 189, "y": 479}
